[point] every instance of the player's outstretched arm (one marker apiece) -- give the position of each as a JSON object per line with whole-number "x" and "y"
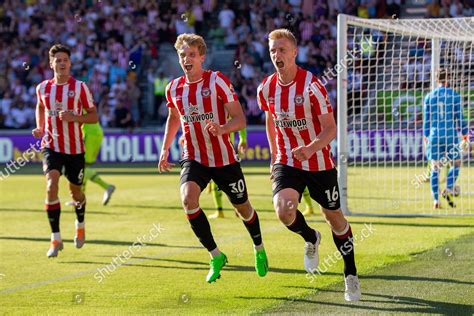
{"x": 328, "y": 133}
{"x": 235, "y": 123}
{"x": 172, "y": 126}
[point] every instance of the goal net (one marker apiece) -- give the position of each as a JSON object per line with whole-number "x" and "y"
{"x": 385, "y": 70}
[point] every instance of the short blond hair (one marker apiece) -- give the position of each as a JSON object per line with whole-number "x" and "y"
{"x": 283, "y": 33}
{"x": 189, "y": 39}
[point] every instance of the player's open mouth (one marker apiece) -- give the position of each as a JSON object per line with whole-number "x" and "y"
{"x": 188, "y": 67}
{"x": 280, "y": 64}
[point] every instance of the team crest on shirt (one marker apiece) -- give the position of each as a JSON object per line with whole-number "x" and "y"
{"x": 299, "y": 99}
{"x": 71, "y": 94}
{"x": 206, "y": 92}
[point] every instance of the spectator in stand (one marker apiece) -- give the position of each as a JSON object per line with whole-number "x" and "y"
{"x": 20, "y": 116}
{"x": 303, "y": 54}
{"x": 159, "y": 84}
{"x": 226, "y": 17}
{"x": 394, "y": 7}
{"x": 247, "y": 69}
{"x": 116, "y": 74}
{"x": 107, "y": 115}
{"x": 252, "y": 111}
{"x": 432, "y": 9}
{"x": 6, "y": 103}
{"x": 133, "y": 93}
{"x": 455, "y": 9}
{"x": 208, "y": 7}
{"x": 108, "y": 35}
{"x": 230, "y": 40}
{"x": 217, "y": 37}
{"x": 306, "y": 28}
{"x": 122, "y": 115}
{"x": 198, "y": 16}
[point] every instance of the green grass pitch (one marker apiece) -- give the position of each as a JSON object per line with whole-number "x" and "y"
{"x": 167, "y": 275}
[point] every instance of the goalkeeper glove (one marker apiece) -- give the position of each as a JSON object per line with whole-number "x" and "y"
{"x": 464, "y": 145}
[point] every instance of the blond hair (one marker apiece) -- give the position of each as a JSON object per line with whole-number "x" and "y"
{"x": 188, "y": 39}
{"x": 283, "y": 33}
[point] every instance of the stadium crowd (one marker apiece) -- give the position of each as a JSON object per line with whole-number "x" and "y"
{"x": 116, "y": 46}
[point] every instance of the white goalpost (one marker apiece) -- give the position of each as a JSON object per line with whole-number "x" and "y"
{"x": 386, "y": 68}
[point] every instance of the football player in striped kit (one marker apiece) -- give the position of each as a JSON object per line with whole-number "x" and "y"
{"x": 201, "y": 100}
{"x": 59, "y": 116}
{"x": 300, "y": 125}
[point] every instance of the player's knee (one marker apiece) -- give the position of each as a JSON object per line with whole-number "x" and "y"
{"x": 188, "y": 202}
{"x": 244, "y": 209}
{"x": 284, "y": 205}
{"x": 286, "y": 217}
{"x": 52, "y": 186}
{"x": 77, "y": 195}
{"x": 335, "y": 219}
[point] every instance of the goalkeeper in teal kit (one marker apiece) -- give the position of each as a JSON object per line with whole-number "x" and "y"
{"x": 443, "y": 120}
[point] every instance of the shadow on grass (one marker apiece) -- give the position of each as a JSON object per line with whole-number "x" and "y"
{"x": 67, "y": 210}
{"x": 179, "y": 208}
{"x": 197, "y": 265}
{"x": 417, "y": 224}
{"x": 98, "y": 242}
{"x": 152, "y": 207}
{"x": 390, "y": 303}
{"x": 395, "y": 278}
{"x": 406, "y": 215}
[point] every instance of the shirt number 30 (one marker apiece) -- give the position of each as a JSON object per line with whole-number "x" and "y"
{"x": 237, "y": 187}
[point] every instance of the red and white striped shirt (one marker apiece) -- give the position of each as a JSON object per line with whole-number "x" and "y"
{"x": 198, "y": 102}
{"x": 295, "y": 108}
{"x": 73, "y": 96}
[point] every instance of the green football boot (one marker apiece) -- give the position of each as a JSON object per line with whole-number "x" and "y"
{"x": 261, "y": 262}
{"x": 217, "y": 263}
